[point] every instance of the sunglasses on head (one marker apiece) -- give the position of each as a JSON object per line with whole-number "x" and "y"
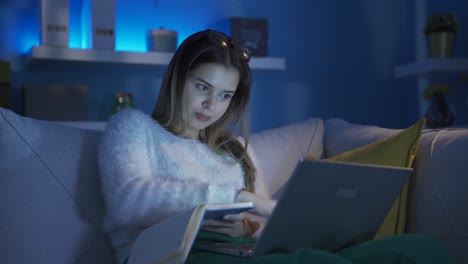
{"x": 225, "y": 41}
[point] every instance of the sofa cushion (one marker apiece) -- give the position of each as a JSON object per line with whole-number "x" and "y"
{"x": 396, "y": 150}
{"x": 341, "y": 136}
{"x": 51, "y": 199}
{"x": 276, "y": 152}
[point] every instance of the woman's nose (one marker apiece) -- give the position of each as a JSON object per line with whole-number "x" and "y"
{"x": 209, "y": 103}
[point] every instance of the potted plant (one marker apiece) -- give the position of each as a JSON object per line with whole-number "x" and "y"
{"x": 438, "y": 114}
{"x": 440, "y": 31}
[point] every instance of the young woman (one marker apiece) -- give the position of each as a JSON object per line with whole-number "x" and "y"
{"x": 193, "y": 150}
{"x": 187, "y": 152}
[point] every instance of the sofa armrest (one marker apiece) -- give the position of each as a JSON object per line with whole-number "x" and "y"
{"x": 438, "y": 191}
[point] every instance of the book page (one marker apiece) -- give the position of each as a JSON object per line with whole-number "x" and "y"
{"x": 167, "y": 240}
{"x": 214, "y": 211}
{"x": 170, "y": 240}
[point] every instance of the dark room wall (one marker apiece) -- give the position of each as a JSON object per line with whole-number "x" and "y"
{"x": 340, "y": 56}
{"x": 458, "y": 97}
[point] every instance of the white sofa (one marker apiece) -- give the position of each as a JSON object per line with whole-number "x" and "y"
{"x": 52, "y": 204}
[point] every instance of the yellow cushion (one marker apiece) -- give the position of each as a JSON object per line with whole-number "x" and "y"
{"x": 397, "y": 150}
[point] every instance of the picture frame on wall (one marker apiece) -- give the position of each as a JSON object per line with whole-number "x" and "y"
{"x": 251, "y": 33}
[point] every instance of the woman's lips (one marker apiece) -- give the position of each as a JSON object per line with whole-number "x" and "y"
{"x": 203, "y": 117}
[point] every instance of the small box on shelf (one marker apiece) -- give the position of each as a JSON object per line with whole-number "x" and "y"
{"x": 251, "y": 33}
{"x": 101, "y": 23}
{"x": 54, "y": 22}
{"x": 161, "y": 40}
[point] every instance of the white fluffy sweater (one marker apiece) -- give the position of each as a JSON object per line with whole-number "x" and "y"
{"x": 149, "y": 174}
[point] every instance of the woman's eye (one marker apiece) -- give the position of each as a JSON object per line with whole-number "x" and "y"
{"x": 225, "y": 96}
{"x": 202, "y": 87}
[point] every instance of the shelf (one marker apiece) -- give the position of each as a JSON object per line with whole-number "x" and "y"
{"x": 432, "y": 65}
{"x": 38, "y": 53}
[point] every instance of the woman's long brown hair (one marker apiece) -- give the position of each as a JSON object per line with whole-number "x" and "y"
{"x": 200, "y": 48}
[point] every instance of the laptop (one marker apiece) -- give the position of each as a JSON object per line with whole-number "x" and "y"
{"x": 325, "y": 205}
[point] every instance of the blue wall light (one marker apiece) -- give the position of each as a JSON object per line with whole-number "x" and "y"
{"x": 85, "y": 16}
{"x": 22, "y": 40}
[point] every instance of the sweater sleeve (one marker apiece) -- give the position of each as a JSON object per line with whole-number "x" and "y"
{"x": 132, "y": 191}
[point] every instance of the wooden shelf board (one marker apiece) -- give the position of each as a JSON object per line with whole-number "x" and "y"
{"x": 125, "y": 57}
{"x": 432, "y": 65}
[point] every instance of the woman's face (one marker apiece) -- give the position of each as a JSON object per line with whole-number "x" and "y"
{"x": 208, "y": 92}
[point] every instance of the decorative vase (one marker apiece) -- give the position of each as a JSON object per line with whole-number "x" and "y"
{"x": 440, "y": 44}
{"x": 439, "y": 114}
{"x": 122, "y": 100}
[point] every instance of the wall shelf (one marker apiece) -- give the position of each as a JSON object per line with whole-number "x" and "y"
{"x": 432, "y": 65}
{"x": 40, "y": 53}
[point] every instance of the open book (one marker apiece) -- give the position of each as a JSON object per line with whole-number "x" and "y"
{"x": 178, "y": 233}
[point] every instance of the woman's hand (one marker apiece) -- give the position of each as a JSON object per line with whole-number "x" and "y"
{"x": 249, "y": 223}
{"x": 263, "y": 206}
{"x": 234, "y": 225}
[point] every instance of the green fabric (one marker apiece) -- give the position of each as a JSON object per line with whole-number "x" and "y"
{"x": 399, "y": 249}
{"x": 403, "y": 248}
{"x": 206, "y": 236}
{"x": 301, "y": 256}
